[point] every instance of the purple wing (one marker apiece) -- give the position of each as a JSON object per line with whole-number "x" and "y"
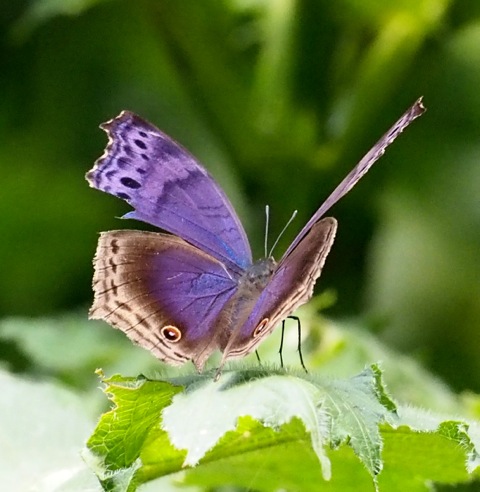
{"x": 169, "y": 189}
{"x": 352, "y": 178}
{"x": 162, "y": 292}
{"x": 290, "y": 286}
{"x": 292, "y": 283}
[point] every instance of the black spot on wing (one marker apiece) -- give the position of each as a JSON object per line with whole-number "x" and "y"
{"x": 114, "y": 246}
{"x": 130, "y": 183}
{"x": 170, "y": 148}
{"x": 110, "y": 174}
{"x": 140, "y": 144}
{"x": 113, "y": 265}
{"x": 128, "y": 150}
{"x": 123, "y": 162}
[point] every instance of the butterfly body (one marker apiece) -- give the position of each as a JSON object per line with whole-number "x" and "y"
{"x": 185, "y": 294}
{"x": 249, "y": 288}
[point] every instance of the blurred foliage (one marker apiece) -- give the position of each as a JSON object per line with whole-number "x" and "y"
{"x": 43, "y": 428}
{"x": 279, "y": 99}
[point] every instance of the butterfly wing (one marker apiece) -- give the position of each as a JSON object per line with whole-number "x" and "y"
{"x": 168, "y": 188}
{"x": 352, "y": 178}
{"x": 292, "y": 283}
{"x": 290, "y": 286}
{"x": 164, "y": 293}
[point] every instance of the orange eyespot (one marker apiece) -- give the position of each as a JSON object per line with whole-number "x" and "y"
{"x": 171, "y": 333}
{"x": 260, "y": 327}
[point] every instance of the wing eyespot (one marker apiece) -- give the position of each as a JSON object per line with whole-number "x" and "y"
{"x": 171, "y": 333}
{"x": 260, "y": 327}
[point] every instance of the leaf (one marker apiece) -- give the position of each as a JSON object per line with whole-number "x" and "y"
{"x": 121, "y": 433}
{"x": 427, "y": 448}
{"x": 342, "y": 348}
{"x": 42, "y": 430}
{"x": 359, "y": 405}
{"x": 41, "y": 11}
{"x": 84, "y": 346}
{"x": 249, "y": 417}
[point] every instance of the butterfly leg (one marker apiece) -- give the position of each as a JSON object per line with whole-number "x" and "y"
{"x": 258, "y": 357}
{"x": 280, "y": 350}
{"x": 299, "y": 346}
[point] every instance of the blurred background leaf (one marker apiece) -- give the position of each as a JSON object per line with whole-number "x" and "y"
{"x": 279, "y": 100}
{"x": 43, "y": 428}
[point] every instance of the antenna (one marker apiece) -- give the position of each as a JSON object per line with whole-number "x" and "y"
{"x": 283, "y": 230}
{"x": 267, "y": 220}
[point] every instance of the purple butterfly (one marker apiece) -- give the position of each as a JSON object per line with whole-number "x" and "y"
{"x": 185, "y": 294}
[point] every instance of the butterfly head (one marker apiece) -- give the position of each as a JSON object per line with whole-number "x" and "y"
{"x": 257, "y": 275}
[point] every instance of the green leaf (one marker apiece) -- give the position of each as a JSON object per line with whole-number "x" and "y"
{"x": 41, "y": 11}
{"x": 158, "y": 427}
{"x": 43, "y": 428}
{"x": 121, "y": 433}
{"x": 357, "y": 409}
{"x": 427, "y": 447}
{"x": 84, "y": 346}
{"x": 274, "y": 401}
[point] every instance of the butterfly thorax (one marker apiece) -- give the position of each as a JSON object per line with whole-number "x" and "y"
{"x": 250, "y": 285}
{"x": 253, "y": 281}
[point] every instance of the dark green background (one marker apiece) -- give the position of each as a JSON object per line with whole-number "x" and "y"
{"x": 278, "y": 99}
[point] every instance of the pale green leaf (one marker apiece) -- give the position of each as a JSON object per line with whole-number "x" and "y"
{"x": 42, "y": 431}
{"x": 159, "y": 428}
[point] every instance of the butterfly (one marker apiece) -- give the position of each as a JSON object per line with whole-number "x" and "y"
{"x": 185, "y": 294}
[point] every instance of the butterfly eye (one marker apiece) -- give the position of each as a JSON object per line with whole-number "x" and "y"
{"x": 171, "y": 333}
{"x": 260, "y": 327}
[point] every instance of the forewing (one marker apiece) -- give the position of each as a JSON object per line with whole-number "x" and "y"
{"x": 290, "y": 286}
{"x": 168, "y": 188}
{"x": 372, "y": 156}
{"x": 148, "y": 284}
